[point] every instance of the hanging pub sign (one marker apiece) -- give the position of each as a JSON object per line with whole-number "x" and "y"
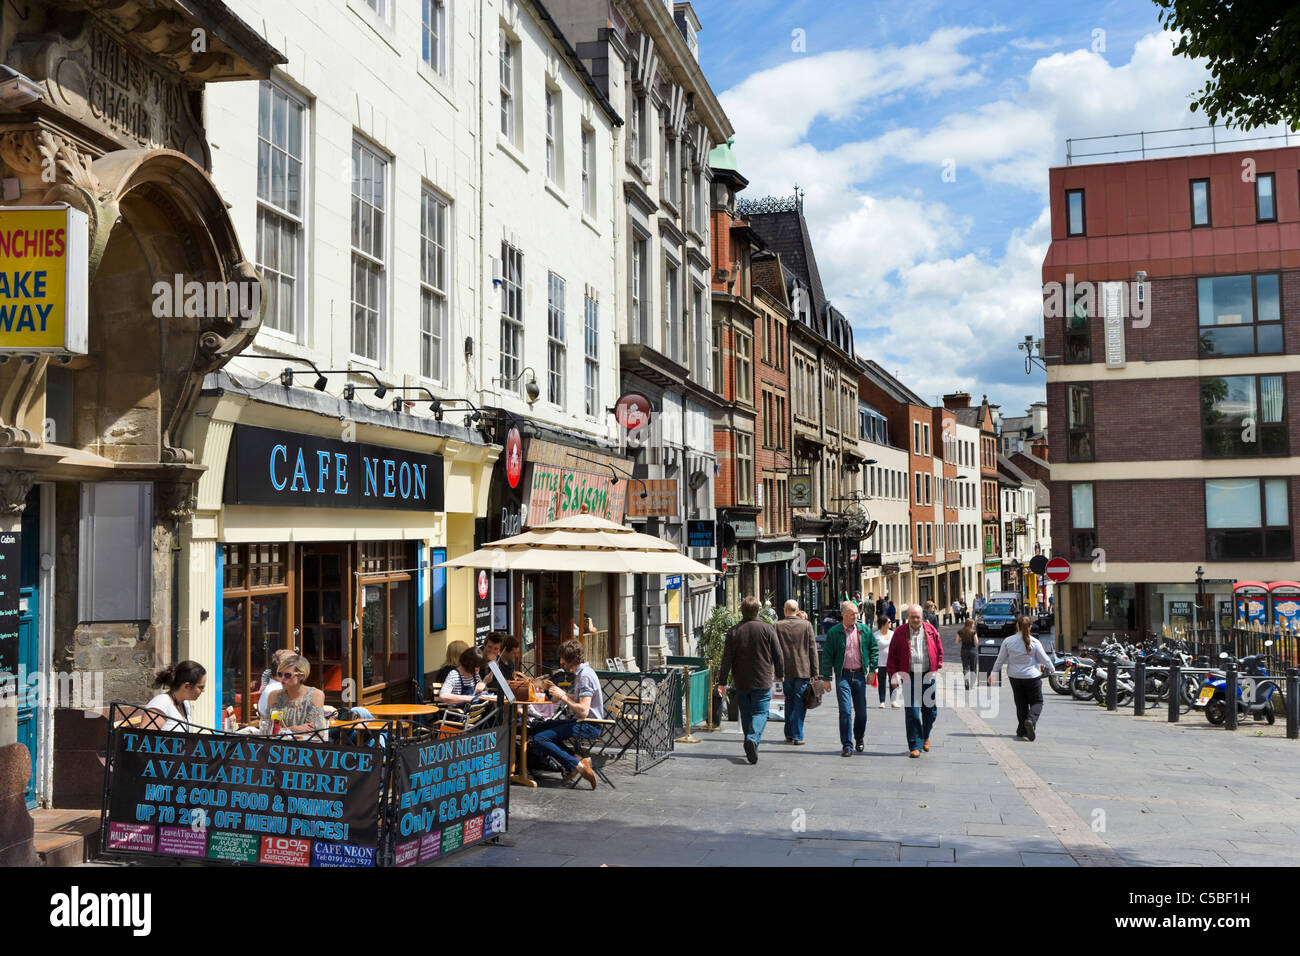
{"x": 227, "y": 798}
{"x": 699, "y": 534}
{"x": 449, "y": 794}
{"x": 514, "y": 453}
{"x": 43, "y": 280}
{"x": 800, "y": 491}
{"x": 271, "y": 467}
{"x": 660, "y": 499}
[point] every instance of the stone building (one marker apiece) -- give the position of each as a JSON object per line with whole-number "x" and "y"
{"x": 103, "y": 114}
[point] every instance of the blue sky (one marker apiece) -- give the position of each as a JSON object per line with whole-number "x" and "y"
{"x": 940, "y": 276}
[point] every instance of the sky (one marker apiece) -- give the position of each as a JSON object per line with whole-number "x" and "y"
{"x": 922, "y": 134}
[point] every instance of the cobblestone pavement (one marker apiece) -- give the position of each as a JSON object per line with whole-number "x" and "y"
{"x": 1096, "y": 788}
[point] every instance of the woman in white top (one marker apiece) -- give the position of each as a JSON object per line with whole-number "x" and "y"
{"x": 883, "y": 633}
{"x": 1026, "y": 663}
{"x": 271, "y": 682}
{"x": 185, "y": 682}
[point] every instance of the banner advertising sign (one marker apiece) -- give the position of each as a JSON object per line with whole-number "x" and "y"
{"x": 243, "y": 799}
{"x": 699, "y": 533}
{"x": 556, "y": 492}
{"x": 449, "y": 794}
{"x": 43, "y": 279}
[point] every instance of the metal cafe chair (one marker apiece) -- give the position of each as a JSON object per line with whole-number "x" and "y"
{"x": 584, "y": 747}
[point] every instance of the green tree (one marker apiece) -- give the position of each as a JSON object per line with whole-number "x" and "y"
{"x": 1253, "y": 51}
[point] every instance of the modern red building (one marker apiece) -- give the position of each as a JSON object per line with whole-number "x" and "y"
{"x": 1172, "y": 326}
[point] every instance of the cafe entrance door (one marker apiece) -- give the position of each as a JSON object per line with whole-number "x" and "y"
{"x": 324, "y": 621}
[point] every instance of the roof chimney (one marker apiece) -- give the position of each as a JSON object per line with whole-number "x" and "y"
{"x": 957, "y": 400}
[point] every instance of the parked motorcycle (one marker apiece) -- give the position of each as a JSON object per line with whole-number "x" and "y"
{"x": 1255, "y": 689}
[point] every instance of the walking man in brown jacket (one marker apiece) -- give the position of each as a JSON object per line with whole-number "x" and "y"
{"x": 799, "y": 649}
{"x": 752, "y": 656}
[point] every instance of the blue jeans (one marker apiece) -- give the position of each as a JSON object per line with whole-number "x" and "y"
{"x": 546, "y": 737}
{"x": 795, "y": 711}
{"x": 753, "y": 711}
{"x": 920, "y": 709}
{"x": 851, "y": 695}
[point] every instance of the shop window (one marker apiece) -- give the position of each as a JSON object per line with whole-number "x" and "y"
{"x": 1244, "y": 415}
{"x": 1248, "y": 519}
{"x": 1239, "y": 315}
{"x": 256, "y": 581}
{"x": 438, "y": 604}
{"x": 115, "y": 566}
{"x": 387, "y": 611}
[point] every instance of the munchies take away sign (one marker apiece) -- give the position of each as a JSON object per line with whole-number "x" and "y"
{"x": 43, "y": 279}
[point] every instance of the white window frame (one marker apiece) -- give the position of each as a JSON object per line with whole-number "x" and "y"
{"x": 554, "y": 134}
{"x": 588, "y": 171}
{"x": 672, "y": 314}
{"x": 508, "y": 86}
{"x": 366, "y": 258}
{"x": 512, "y": 317}
{"x": 591, "y": 352}
{"x": 383, "y": 9}
{"x": 435, "y": 289}
{"x": 274, "y": 276}
{"x": 433, "y": 35}
{"x": 556, "y": 344}
{"x": 640, "y": 301}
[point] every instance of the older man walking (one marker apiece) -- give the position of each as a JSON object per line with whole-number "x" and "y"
{"x": 851, "y": 653}
{"x": 751, "y": 655}
{"x": 915, "y": 655}
{"x": 799, "y": 650}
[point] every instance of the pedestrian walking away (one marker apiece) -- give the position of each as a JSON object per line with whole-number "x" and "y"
{"x": 850, "y": 653}
{"x": 890, "y": 611}
{"x": 751, "y": 655}
{"x": 915, "y": 655}
{"x": 883, "y": 634}
{"x": 799, "y": 655}
{"x": 968, "y": 645}
{"x": 1026, "y": 662}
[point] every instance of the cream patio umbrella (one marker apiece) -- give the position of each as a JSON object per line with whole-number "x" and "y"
{"x": 581, "y": 543}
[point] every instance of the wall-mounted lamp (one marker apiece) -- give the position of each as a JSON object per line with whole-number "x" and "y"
{"x": 531, "y": 389}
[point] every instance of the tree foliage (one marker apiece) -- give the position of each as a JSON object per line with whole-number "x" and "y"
{"x": 1253, "y": 49}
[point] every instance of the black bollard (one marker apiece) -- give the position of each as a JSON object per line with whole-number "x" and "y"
{"x": 1140, "y": 689}
{"x": 1292, "y": 703}
{"x": 1111, "y": 688}
{"x": 1175, "y": 691}
{"x": 1230, "y": 697}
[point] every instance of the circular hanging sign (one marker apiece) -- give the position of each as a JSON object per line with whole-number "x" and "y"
{"x": 633, "y": 410}
{"x": 514, "y": 457}
{"x": 482, "y": 585}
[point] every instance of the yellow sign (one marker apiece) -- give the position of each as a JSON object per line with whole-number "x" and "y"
{"x": 43, "y": 278}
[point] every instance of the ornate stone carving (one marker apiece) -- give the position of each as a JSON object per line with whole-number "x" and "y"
{"x": 14, "y": 486}
{"x": 174, "y": 499}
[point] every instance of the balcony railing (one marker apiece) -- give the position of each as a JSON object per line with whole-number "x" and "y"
{"x": 1207, "y": 139}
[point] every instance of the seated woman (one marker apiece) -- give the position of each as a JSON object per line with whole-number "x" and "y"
{"x": 185, "y": 683}
{"x": 463, "y": 684}
{"x": 270, "y": 682}
{"x": 585, "y": 701}
{"x": 301, "y": 707}
{"x": 454, "y": 650}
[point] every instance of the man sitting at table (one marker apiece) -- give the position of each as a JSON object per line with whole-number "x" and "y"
{"x": 463, "y": 685}
{"x": 493, "y": 650}
{"x": 585, "y": 701}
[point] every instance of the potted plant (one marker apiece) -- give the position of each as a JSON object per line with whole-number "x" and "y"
{"x": 711, "y": 642}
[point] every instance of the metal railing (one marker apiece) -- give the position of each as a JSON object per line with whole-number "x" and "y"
{"x": 1137, "y": 143}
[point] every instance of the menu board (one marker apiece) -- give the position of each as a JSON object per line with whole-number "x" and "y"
{"x": 10, "y": 581}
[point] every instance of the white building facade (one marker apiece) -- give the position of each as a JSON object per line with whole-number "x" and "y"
{"x": 967, "y": 488}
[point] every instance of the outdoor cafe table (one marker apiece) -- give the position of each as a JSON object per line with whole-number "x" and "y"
{"x": 404, "y": 710}
{"x": 520, "y": 774}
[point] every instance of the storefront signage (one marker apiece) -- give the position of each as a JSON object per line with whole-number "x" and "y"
{"x": 871, "y": 559}
{"x": 243, "y": 799}
{"x": 745, "y": 527}
{"x": 633, "y": 410}
{"x": 557, "y": 492}
{"x": 43, "y": 280}
{"x": 10, "y": 554}
{"x": 800, "y": 491}
{"x": 1021, "y": 526}
{"x": 271, "y": 467}
{"x": 1112, "y": 294}
{"x": 514, "y": 452}
{"x": 673, "y": 581}
{"x": 660, "y": 500}
{"x": 699, "y": 534}
{"x": 449, "y": 794}
{"x": 482, "y": 605}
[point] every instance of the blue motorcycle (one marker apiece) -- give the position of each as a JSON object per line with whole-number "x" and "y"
{"x": 1254, "y": 691}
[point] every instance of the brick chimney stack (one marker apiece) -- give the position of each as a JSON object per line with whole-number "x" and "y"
{"x": 957, "y": 400}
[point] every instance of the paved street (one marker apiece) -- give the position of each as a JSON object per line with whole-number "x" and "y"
{"x": 1094, "y": 789}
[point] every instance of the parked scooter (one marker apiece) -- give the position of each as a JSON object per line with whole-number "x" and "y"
{"x": 1254, "y": 691}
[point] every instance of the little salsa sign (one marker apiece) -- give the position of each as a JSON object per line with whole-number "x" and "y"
{"x": 270, "y": 467}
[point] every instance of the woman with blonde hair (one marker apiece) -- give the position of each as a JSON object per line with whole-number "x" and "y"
{"x": 449, "y": 663}
{"x": 301, "y": 707}
{"x": 270, "y": 683}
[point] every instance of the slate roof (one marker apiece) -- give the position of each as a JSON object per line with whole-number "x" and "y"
{"x": 892, "y": 386}
{"x": 786, "y": 233}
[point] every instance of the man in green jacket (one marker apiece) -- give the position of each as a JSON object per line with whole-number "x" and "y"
{"x": 852, "y": 662}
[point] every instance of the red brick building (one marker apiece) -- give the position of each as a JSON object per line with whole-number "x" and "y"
{"x": 1175, "y": 384}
